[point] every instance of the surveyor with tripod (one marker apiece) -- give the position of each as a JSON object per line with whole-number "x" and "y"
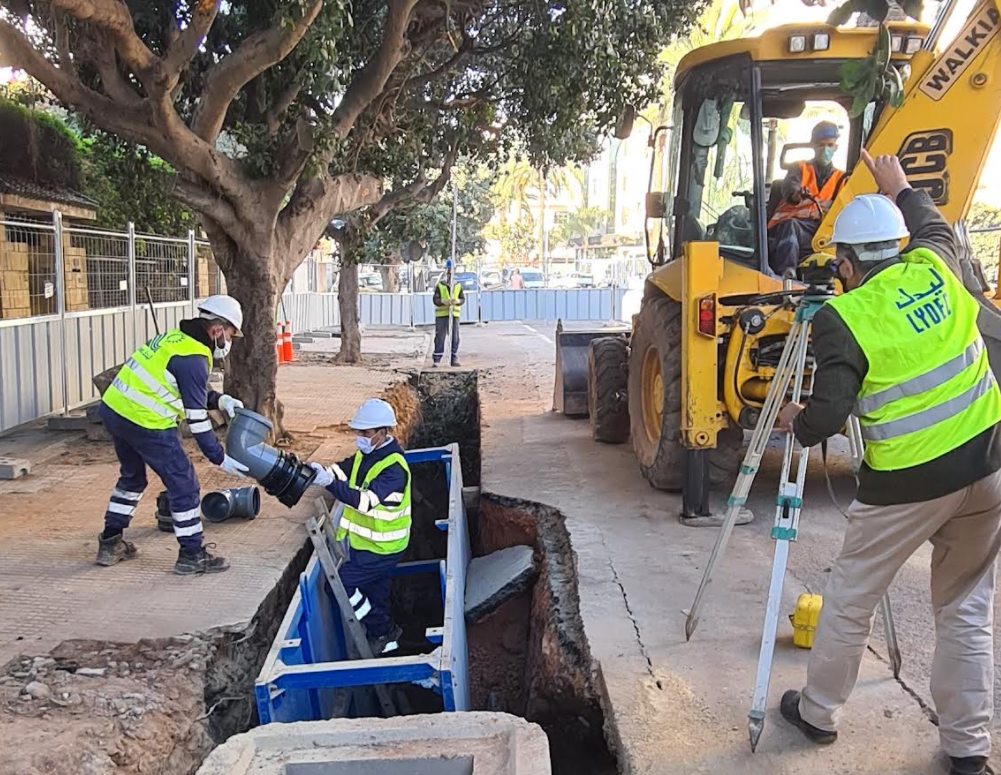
{"x": 901, "y": 350}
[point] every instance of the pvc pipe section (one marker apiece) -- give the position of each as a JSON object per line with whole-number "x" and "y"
{"x": 243, "y": 502}
{"x": 280, "y": 473}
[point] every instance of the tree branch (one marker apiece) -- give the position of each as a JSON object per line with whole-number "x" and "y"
{"x": 114, "y": 17}
{"x": 63, "y": 42}
{"x": 369, "y": 82}
{"x": 183, "y": 48}
{"x": 255, "y": 55}
{"x": 212, "y": 206}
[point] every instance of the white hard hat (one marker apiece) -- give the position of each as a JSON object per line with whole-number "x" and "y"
{"x": 225, "y": 308}
{"x": 374, "y": 413}
{"x": 869, "y": 218}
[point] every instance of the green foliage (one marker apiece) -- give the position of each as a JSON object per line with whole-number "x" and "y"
{"x": 130, "y": 184}
{"x": 873, "y": 78}
{"x": 579, "y": 225}
{"x": 38, "y": 147}
{"x": 516, "y": 240}
{"x": 431, "y": 224}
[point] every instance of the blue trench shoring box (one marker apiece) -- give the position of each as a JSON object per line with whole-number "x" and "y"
{"x": 307, "y": 675}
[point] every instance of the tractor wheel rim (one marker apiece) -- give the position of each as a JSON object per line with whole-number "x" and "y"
{"x": 653, "y": 395}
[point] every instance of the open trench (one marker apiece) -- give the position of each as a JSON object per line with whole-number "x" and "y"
{"x": 529, "y": 657}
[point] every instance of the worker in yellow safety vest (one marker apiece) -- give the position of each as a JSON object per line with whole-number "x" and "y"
{"x": 374, "y": 486}
{"x": 901, "y": 350}
{"x": 448, "y": 299}
{"x": 796, "y": 205}
{"x": 163, "y": 382}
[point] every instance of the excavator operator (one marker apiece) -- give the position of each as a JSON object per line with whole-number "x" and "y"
{"x": 799, "y": 202}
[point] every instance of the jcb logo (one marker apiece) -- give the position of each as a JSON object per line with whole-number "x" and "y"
{"x": 925, "y": 159}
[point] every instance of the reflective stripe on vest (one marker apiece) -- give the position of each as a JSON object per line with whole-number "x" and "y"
{"x": 382, "y": 529}
{"x": 443, "y": 292}
{"x": 929, "y": 387}
{"x": 807, "y": 209}
{"x": 143, "y": 391}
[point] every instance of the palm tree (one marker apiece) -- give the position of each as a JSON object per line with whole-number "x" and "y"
{"x": 519, "y": 185}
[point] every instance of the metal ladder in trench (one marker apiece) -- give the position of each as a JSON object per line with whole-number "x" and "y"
{"x": 323, "y": 531}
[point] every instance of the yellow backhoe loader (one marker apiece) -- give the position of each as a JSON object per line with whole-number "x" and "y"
{"x": 704, "y": 345}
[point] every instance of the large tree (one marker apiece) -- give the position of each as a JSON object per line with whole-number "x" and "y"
{"x": 279, "y": 116}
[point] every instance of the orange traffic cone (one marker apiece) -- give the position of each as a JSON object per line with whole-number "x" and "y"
{"x": 279, "y": 350}
{"x": 287, "y": 353}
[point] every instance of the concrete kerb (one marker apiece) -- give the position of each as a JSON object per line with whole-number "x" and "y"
{"x": 441, "y": 744}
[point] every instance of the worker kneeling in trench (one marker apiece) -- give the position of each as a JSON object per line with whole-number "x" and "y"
{"x": 374, "y": 486}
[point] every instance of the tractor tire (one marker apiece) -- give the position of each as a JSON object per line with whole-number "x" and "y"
{"x": 655, "y": 402}
{"x": 608, "y": 389}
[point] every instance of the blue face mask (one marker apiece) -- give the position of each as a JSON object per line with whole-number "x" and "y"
{"x": 364, "y": 444}
{"x": 826, "y": 155}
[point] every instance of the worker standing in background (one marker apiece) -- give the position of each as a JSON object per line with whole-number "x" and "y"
{"x": 374, "y": 486}
{"x": 517, "y": 281}
{"x": 448, "y": 299}
{"x": 901, "y": 349}
{"x": 797, "y": 204}
{"x": 163, "y": 382}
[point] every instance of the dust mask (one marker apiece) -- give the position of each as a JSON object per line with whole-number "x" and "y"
{"x": 221, "y": 352}
{"x": 826, "y": 155}
{"x": 364, "y": 444}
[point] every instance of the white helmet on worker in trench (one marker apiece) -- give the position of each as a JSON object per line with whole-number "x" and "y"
{"x": 224, "y": 308}
{"x": 869, "y": 218}
{"x": 374, "y": 413}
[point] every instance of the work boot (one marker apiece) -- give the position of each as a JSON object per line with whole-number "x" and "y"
{"x": 200, "y": 560}
{"x": 789, "y": 706}
{"x": 434, "y": 364}
{"x": 111, "y": 551}
{"x": 969, "y": 765}
{"x": 386, "y": 644}
{"x": 455, "y": 362}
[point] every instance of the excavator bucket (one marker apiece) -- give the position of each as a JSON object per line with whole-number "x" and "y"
{"x": 570, "y": 390}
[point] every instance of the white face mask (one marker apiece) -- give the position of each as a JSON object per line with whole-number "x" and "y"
{"x": 364, "y": 444}
{"x": 221, "y": 352}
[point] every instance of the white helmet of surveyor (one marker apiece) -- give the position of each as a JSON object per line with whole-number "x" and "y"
{"x": 869, "y": 218}
{"x": 374, "y": 413}
{"x": 224, "y": 308}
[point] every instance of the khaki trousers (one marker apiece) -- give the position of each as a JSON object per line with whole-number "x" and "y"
{"x": 963, "y": 528}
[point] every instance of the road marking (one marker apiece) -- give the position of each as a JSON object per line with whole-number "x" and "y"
{"x": 538, "y": 333}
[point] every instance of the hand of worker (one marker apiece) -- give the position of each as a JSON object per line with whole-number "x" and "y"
{"x": 787, "y": 415}
{"x": 324, "y": 475}
{"x": 234, "y": 467}
{"x": 889, "y": 175}
{"x": 229, "y": 405}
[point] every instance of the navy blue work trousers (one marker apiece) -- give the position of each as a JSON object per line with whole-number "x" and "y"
{"x": 440, "y": 332}
{"x": 161, "y": 450}
{"x": 367, "y": 579}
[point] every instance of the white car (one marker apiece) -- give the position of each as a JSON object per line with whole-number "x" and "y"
{"x": 533, "y": 278}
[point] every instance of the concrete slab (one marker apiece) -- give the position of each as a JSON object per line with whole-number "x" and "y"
{"x": 14, "y": 467}
{"x": 442, "y": 744}
{"x": 74, "y": 421}
{"x": 674, "y": 707}
{"x": 497, "y": 577}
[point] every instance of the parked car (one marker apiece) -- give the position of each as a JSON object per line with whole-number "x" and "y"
{"x": 583, "y": 281}
{"x": 468, "y": 280}
{"x": 370, "y": 282}
{"x": 492, "y": 279}
{"x": 533, "y": 278}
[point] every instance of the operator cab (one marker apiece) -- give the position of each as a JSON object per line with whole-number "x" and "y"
{"x": 743, "y": 125}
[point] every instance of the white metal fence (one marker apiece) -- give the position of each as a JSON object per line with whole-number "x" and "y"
{"x": 73, "y": 302}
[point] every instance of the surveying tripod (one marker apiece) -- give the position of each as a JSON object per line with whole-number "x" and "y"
{"x": 789, "y": 374}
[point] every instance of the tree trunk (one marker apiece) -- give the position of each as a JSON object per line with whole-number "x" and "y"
{"x": 347, "y": 302}
{"x": 254, "y": 373}
{"x": 391, "y": 274}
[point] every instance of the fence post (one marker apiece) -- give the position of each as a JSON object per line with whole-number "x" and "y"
{"x": 191, "y": 271}
{"x": 57, "y": 226}
{"x": 132, "y": 285}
